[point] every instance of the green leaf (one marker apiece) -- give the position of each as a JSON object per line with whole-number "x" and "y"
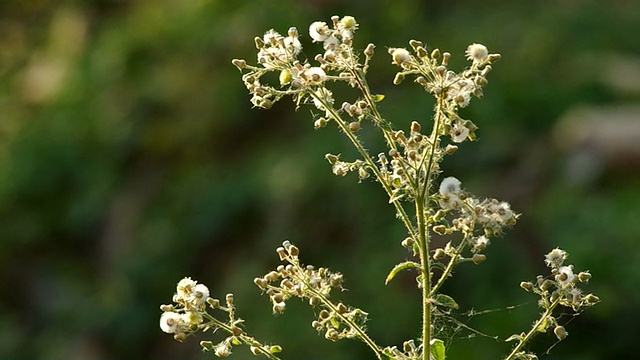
{"x": 437, "y": 349}
{"x": 377, "y": 97}
{"x": 396, "y": 269}
{"x": 275, "y": 349}
{"x": 445, "y": 300}
{"x": 335, "y": 323}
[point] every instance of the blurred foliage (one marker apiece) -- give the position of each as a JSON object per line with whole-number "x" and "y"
{"x": 130, "y": 157}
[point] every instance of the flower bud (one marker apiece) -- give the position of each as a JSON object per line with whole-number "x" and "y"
{"x": 421, "y": 52}
{"x": 236, "y": 330}
{"x": 560, "y": 332}
{"x": 440, "y": 70}
{"x": 408, "y": 242}
{"x": 255, "y": 350}
{"x": 368, "y": 51}
{"x": 167, "y": 308}
{"x": 281, "y": 253}
{"x": 450, "y": 149}
{"x": 214, "y": 303}
{"x": 415, "y": 126}
{"x": 439, "y": 254}
{"x": 314, "y": 301}
{"x": 415, "y": 43}
{"x": 398, "y": 79}
{"x": 435, "y": 53}
{"x": 332, "y": 158}
{"x": 478, "y": 258}
{"x": 440, "y": 229}
{"x": 260, "y": 282}
{"x": 293, "y": 250}
{"x": 445, "y": 58}
{"x": 239, "y": 63}
{"x": 229, "y": 299}
{"x": 341, "y": 308}
{"x": 278, "y": 308}
{"x": 354, "y": 126}
{"x": 584, "y": 276}
{"x": 528, "y": 286}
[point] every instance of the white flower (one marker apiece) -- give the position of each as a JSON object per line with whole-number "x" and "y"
{"x": 185, "y": 288}
{"x": 293, "y": 45}
{"x": 330, "y": 43}
{"x": 565, "y": 275}
{"x": 319, "y": 31}
{"x": 450, "y": 185}
{"x": 348, "y": 23}
{"x": 169, "y": 321}
{"x": 314, "y": 75}
{"x": 400, "y": 56}
{"x": 555, "y": 258}
{"x": 222, "y": 350}
{"x": 200, "y": 294}
{"x": 477, "y": 53}
{"x": 271, "y": 37}
{"x": 458, "y": 132}
{"x": 327, "y": 97}
{"x": 450, "y": 201}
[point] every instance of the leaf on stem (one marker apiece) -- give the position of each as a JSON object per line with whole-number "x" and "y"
{"x": 437, "y": 349}
{"x": 396, "y": 269}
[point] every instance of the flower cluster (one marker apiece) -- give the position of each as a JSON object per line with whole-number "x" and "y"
{"x": 280, "y": 54}
{"x": 558, "y": 289}
{"x": 185, "y": 317}
{"x": 335, "y": 320}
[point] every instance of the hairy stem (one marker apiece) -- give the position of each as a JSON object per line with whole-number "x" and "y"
{"x": 423, "y": 244}
{"x": 533, "y": 331}
{"x": 367, "y": 158}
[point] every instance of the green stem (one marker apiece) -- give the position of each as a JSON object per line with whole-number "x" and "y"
{"x": 534, "y": 330}
{"x": 245, "y": 339}
{"x": 423, "y": 244}
{"x": 367, "y": 158}
{"x": 361, "y": 333}
{"x": 447, "y": 271}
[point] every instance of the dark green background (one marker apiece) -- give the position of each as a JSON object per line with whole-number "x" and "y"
{"x": 130, "y": 157}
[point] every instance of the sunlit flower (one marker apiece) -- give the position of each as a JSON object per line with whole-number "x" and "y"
{"x": 565, "y": 275}
{"x": 319, "y": 31}
{"x": 169, "y": 321}
{"x": 400, "y": 56}
{"x": 477, "y": 53}
{"x": 458, "y": 132}
{"x": 450, "y": 185}
{"x": 555, "y": 258}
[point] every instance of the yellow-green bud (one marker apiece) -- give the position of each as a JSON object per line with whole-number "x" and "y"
{"x": 285, "y": 77}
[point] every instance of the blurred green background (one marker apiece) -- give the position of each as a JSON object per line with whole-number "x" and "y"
{"x": 130, "y": 157}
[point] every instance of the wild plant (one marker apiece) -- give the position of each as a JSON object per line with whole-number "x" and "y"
{"x": 428, "y": 203}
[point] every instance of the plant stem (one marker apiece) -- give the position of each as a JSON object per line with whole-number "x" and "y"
{"x": 423, "y": 244}
{"x": 367, "y": 158}
{"x": 534, "y": 330}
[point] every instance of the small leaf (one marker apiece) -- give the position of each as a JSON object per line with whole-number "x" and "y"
{"x": 335, "y": 323}
{"x": 377, "y": 98}
{"x": 514, "y": 337}
{"x": 275, "y": 349}
{"x": 396, "y": 269}
{"x": 445, "y": 300}
{"x": 437, "y": 349}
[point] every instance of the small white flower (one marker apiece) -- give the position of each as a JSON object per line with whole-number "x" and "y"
{"x": 293, "y": 45}
{"x": 555, "y": 258}
{"x": 271, "y": 37}
{"x": 169, "y": 321}
{"x": 348, "y": 23}
{"x": 450, "y": 185}
{"x": 330, "y": 43}
{"x": 400, "y": 56}
{"x": 319, "y": 31}
{"x": 200, "y": 294}
{"x": 314, "y": 75}
{"x": 565, "y": 276}
{"x": 450, "y": 201}
{"x": 185, "y": 288}
{"x": 327, "y": 97}
{"x": 477, "y": 53}
{"x": 458, "y": 132}
{"x": 222, "y": 350}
